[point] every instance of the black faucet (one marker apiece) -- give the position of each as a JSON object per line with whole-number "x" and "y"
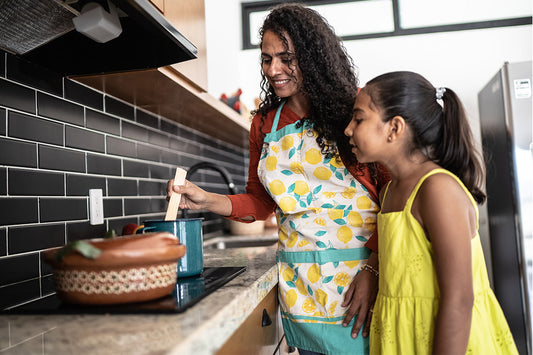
{"x": 212, "y": 166}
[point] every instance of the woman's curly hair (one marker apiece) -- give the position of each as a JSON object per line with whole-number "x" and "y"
{"x": 329, "y": 77}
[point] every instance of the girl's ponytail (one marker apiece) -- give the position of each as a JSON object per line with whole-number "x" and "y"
{"x": 456, "y": 152}
{"x": 441, "y": 132}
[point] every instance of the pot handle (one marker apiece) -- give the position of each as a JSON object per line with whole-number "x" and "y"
{"x": 142, "y": 229}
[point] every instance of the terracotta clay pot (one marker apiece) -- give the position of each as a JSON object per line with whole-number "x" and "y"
{"x": 129, "y": 269}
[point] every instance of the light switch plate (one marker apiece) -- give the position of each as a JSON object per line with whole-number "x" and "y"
{"x": 96, "y": 207}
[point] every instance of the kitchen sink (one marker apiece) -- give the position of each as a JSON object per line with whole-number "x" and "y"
{"x": 241, "y": 241}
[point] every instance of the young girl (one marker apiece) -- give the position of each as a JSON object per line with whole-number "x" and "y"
{"x": 434, "y": 294}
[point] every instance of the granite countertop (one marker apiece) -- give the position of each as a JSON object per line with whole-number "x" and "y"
{"x": 201, "y": 329}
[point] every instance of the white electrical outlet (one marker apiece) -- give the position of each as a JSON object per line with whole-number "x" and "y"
{"x": 96, "y": 207}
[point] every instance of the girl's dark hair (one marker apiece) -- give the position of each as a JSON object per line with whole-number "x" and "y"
{"x": 329, "y": 79}
{"x": 442, "y": 133}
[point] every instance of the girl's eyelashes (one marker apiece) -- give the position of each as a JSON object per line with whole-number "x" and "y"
{"x": 356, "y": 120}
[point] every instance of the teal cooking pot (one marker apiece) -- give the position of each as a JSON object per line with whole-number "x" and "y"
{"x": 189, "y": 233}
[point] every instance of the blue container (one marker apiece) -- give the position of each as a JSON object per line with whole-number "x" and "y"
{"x": 189, "y": 233}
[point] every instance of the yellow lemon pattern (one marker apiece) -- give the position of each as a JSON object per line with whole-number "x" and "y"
{"x": 276, "y": 187}
{"x": 296, "y": 167}
{"x": 271, "y": 163}
{"x": 322, "y": 173}
{"x": 321, "y": 208}
{"x": 313, "y": 156}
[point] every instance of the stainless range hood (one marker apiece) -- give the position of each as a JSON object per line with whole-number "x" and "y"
{"x": 42, "y": 32}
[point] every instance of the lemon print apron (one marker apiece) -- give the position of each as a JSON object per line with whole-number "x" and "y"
{"x": 324, "y": 216}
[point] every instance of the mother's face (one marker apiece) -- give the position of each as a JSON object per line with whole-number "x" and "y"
{"x": 280, "y": 66}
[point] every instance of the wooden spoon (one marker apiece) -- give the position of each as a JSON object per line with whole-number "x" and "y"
{"x": 174, "y": 203}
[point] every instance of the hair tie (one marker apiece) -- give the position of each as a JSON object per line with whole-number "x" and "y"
{"x": 439, "y": 92}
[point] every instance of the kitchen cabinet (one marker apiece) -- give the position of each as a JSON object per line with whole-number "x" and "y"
{"x": 189, "y": 19}
{"x": 179, "y": 91}
{"x": 260, "y": 333}
{"x": 159, "y": 4}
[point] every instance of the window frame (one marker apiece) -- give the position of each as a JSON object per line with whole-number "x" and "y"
{"x": 257, "y": 6}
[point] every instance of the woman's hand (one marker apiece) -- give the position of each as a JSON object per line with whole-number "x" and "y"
{"x": 192, "y": 197}
{"x": 195, "y": 198}
{"x": 360, "y": 299}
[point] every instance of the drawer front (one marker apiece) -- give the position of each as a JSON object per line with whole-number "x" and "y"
{"x": 260, "y": 333}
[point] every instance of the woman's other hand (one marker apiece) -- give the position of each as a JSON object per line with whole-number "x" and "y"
{"x": 359, "y": 299}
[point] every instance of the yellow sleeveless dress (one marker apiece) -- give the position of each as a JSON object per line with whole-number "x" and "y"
{"x": 408, "y": 299}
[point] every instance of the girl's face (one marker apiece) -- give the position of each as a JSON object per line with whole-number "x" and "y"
{"x": 280, "y": 66}
{"x": 367, "y": 131}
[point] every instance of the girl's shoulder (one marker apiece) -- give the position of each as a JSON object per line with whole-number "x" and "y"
{"x": 443, "y": 194}
{"x": 440, "y": 184}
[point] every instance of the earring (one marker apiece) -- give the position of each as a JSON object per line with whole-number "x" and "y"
{"x": 389, "y": 139}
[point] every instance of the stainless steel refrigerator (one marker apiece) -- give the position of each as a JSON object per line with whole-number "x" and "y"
{"x": 505, "y": 109}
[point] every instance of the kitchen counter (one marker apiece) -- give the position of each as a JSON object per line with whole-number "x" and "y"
{"x": 201, "y": 329}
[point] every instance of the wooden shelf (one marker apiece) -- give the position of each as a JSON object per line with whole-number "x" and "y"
{"x": 164, "y": 91}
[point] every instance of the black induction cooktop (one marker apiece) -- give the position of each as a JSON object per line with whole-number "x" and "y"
{"x": 188, "y": 291}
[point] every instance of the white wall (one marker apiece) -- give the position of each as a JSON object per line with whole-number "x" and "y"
{"x": 464, "y": 61}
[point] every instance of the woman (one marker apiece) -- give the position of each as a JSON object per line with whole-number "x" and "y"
{"x": 301, "y": 166}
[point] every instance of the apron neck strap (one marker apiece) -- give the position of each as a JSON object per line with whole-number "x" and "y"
{"x": 276, "y": 118}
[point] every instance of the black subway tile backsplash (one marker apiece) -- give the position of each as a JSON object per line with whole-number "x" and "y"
{"x": 147, "y": 152}
{"x": 58, "y": 139}
{"x": 3, "y": 121}
{"x": 99, "y": 164}
{"x": 18, "y": 153}
{"x": 84, "y": 230}
{"x": 83, "y": 139}
{"x": 102, "y": 122}
{"x": 147, "y": 119}
{"x": 17, "y": 96}
{"x": 122, "y": 147}
{"x": 158, "y": 204}
{"x": 47, "y": 285}
{"x": 185, "y": 146}
{"x": 137, "y": 169}
{"x": 34, "y": 75}
{"x": 122, "y": 187}
{"x": 79, "y": 185}
{"x": 20, "y": 267}
{"x": 158, "y": 139}
{"x": 134, "y": 206}
{"x": 3, "y": 242}
{"x": 119, "y": 108}
{"x": 83, "y": 95}
{"x": 113, "y": 208}
{"x": 135, "y": 132}
{"x": 169, "y": 127}
{"x": 54, "y": 209}
{"x": 3, "y": 181}
{"x": 161, "y": 172}
{"x": 33, "y": 128}
{"x": 172, "y": 158}
{"x": 152, "y": 188}
{"x": 25, "y": 239}
{"x": 35, "y": 183}
{"x": 2, "y": 63}
{"x": 18, "y": 211}
{"x": 53, "y": 107}
{"x": 20, "y": 292}
{"x": 61, "y": 159}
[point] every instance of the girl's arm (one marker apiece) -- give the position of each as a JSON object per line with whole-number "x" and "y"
{"x": 449, "y": 220}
